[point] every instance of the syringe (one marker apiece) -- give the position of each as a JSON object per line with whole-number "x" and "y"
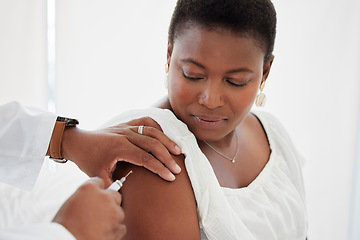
{"x": 119, "y": 183}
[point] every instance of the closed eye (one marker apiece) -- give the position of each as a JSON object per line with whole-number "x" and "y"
{"x": 191, "y": 78}
{"x": 232, "y": 83}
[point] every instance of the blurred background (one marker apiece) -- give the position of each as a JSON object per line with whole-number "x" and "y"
{"x": 93, "y": 59}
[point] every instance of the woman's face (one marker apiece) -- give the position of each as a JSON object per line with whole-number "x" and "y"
{"x": 214, "y": 77}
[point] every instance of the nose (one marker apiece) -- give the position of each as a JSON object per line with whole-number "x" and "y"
{"x": 211, "y": 96}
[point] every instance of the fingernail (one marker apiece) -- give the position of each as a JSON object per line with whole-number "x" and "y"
{"x": 171, "y": 177}
{"x": 177, "y": 169}
{"x": 177, "y": 149}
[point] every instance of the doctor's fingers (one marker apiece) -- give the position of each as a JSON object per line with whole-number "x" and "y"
{"x": 97, "y": 186}
{"x": 119, "y": 232}
{"x": 115, "y": 195}
{"x": 140, "y": 157}
{"x": 152, "y": 145}
{"x": 120, "y": 214}
{"x": 96, "y": 181}
{"x": 149, "y": 127}
{"x": 146, "y": 121}
{"x": 118, "y": 229}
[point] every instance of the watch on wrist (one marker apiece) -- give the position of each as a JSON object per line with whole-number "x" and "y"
{"x": 56, "y": 138}
{"x": 69, "y": 122}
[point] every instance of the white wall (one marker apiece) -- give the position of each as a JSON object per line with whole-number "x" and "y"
{"x": 111, "y": 55}
{"x": 314, "y": 90}
{"x": 23, "y": 52}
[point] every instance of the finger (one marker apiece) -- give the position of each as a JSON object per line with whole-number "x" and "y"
{"x": 121, "y": 231}
{"x": 121, "y": 214}
{"x": 97, "y": 182}
{"x": 115, "y": 195}
{"x": 155, "y": 127}
{"x": 157, "y": 149}
{"x": 106, "y": 177}
{"x": 146, "y": 121}
{"x": 161, "y": 137}
{"x": 154, "y": 165}
{"x": 139, "y": 157}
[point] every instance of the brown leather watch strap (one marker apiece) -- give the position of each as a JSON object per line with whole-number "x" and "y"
{"x": 56, "y": 139}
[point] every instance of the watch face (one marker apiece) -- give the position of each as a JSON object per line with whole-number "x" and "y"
{"x": 69, "y": 122}
{"x": 62, "y": 160}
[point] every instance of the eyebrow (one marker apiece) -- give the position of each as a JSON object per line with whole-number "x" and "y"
{"x": 243, "y": 69}
{"x": 189, "y": 60}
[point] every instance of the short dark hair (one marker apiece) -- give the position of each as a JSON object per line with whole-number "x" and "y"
{"x": 254, "y": 18}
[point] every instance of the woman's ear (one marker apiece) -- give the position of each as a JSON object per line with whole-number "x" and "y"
{"x": 267, "y": 67}
{"x": 169, "y": 52}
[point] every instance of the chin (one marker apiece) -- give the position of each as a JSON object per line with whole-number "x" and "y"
{"x": 208, "y": 135}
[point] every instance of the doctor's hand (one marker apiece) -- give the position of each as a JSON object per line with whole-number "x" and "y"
{"x": 93, "y": 213}
{"x": 97, "y": 152}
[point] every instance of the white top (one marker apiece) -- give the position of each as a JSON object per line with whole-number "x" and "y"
{"x": 25, "y": 134}
{"x": 271, "y": 207}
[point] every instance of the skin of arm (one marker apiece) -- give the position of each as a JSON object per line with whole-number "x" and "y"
{"x": 157, "y": 209}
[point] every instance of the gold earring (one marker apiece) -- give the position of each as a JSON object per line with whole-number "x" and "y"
{"x": 166, "y": 76}
{"x": 261, "y": 97}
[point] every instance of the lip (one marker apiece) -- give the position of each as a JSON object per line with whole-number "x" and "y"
{"x": 209, "y": 121}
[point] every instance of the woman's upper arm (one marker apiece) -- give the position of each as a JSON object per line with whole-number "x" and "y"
{"x": 155, "y": 208}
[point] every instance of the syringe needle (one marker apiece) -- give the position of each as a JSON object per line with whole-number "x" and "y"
{"x": 118, "y": 183}
{"x": 128, "y": 174}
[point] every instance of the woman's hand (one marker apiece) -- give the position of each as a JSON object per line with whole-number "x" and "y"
{"x": 97, "y": 152}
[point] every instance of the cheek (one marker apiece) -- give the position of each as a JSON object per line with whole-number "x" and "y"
{"x": 244, "y": 100}
{"x": 179, "y": 92}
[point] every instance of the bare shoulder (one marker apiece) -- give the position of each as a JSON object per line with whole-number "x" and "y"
{"x": 256, "y": 129}
{"x": 155, "y": 208}
{"x": 257, "y": 137}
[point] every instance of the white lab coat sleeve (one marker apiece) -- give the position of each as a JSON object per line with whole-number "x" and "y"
{"x": 25, "y": 133}
{"x": 43, "y": 231}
